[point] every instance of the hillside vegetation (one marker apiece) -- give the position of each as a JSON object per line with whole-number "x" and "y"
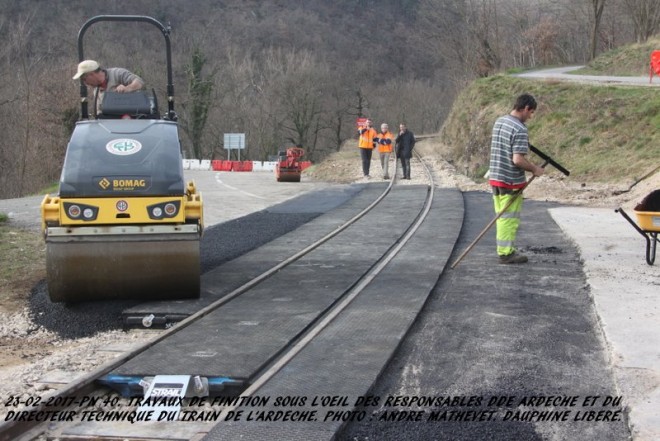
{"x": 601, "y": 133}
{"x": 624, "y": 61}
{"x": 283, "y": 72}
{"x": 607, "y": 136}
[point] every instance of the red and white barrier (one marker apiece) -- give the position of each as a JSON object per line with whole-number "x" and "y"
{"x": 237, "y": 166}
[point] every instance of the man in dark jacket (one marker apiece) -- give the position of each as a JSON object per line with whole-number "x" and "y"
{"x": 405, "y": 142}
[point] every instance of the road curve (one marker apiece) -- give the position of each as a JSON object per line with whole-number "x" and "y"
{"x": 563, "y": 74}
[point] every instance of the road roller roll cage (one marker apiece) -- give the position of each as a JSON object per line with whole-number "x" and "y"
{"x": 165, "y": 30}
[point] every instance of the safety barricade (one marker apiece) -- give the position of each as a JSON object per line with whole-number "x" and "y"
{"x": 223, "y": 165}
{"x": 194, "y": 164}
{"x": 186, "y": 164}
{"x": 269, "y": 165}
{"x": 654, "y": 65}
{"x": 305, "y": 164}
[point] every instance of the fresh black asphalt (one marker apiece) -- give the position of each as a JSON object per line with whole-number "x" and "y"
{"x": 491, "y": 330}
{"x": 488, "y": 330}
{"x": 220, "y": 243}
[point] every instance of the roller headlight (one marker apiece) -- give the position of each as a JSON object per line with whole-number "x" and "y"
{"x": 73, "y": 211}
{"x": 170, "y": 209}
{"x": 81, "y": 211}
{"x": 164, "y": 210}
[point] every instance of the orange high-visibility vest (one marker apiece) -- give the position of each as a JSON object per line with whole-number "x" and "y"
{"x": 367, "y": 136}
{"x": 385, "y": 142}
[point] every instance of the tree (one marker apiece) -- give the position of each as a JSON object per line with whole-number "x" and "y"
{"x": 543, "y": 42}
{"x": 23, "y": 108}
{"x": 301, "y": 97}
{"x": 340, "y": 104}
{"x": 199, "y": 89}
{"x": 597, "y": 9}
{"x": 406, "y": 60}
{"x": 465, "y": 34}
{"x": 645, "y": 15}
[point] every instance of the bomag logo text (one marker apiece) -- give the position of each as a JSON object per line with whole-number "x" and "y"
{"x": 129, "y": 183}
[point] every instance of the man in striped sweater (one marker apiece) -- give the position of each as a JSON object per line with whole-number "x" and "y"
{"x": 508, "y": 164}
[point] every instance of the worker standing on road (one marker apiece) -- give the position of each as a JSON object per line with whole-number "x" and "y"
{"x": 385, "y": 141}
{"x": 509, "y": 145}
{"x": 116, "y": 79}
{"x": 366, "y": 144}
{"x": 405, "y": 142}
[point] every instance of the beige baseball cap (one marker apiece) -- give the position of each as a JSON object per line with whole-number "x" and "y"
{"x": 86, "y": 66}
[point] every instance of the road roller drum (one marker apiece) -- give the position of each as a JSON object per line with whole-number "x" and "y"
{"x": 123, "y": 266}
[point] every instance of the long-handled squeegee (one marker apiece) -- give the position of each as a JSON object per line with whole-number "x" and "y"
{"x": 548, "y": 160}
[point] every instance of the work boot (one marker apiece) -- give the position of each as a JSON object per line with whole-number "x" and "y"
{"x": 513, "y": 258}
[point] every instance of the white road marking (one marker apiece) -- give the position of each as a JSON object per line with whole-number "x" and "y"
{"x": 217, "y": 178}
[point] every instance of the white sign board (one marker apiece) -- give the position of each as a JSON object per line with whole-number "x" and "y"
{"x": 234, "y": 141}
{"x": 163, "y": 398}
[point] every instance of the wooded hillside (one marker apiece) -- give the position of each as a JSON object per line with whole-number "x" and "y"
{"x": 284, "y": 72}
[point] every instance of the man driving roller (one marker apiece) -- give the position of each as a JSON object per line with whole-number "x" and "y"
{"x": 116, "y": 79}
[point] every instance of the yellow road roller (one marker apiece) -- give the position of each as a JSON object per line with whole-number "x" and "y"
{"x": 124, "y": 224}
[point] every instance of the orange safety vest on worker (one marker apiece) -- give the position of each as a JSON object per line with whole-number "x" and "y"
{"x": 367, "y": 135}
{"x": 385, "y": 142}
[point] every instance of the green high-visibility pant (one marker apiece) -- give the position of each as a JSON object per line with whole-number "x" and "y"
{"x": 507, "y": 225}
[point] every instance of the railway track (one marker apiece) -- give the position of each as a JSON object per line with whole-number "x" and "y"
{"x": 347, "y": 278}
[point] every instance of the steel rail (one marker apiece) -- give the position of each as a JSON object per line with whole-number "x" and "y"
{"x": 345, "y": 301}
{"x": 27, "y": 430}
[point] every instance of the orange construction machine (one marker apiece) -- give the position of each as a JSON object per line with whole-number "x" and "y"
{"x": 289, "y": 167}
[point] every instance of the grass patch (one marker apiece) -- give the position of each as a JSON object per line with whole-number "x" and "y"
{"x": 632, "y": 60}
{"x": 599, "y": 133}
{"x": 23, "y": 265}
